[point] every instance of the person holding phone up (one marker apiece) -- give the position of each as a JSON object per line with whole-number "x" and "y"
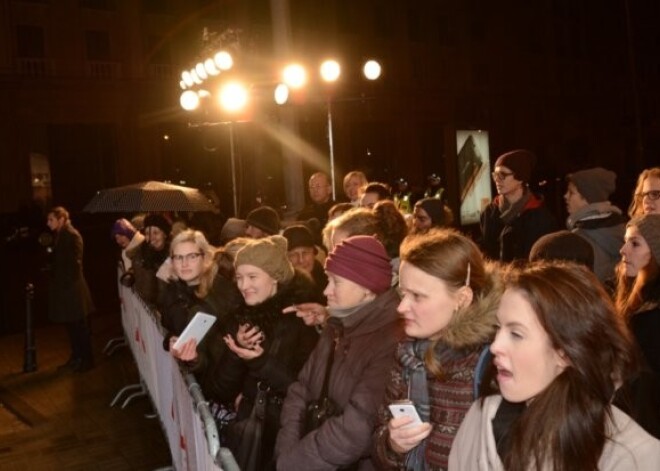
{"x": 449, "y": 298}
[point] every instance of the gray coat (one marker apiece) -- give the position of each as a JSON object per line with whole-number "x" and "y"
{"x": 364, "y": 355}
{"x": 69, "y": 298}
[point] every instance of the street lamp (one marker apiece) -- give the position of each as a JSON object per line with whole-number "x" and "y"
{"x": 233, "y": 98}
{"x": 330, "y": 71}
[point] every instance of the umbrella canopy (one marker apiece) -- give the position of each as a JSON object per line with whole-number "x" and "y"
{"x": 148, "y": 197}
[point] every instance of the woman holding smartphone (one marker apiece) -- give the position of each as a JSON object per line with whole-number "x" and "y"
{"x": 448, "y": 302}
{"x": 560, "y": 353}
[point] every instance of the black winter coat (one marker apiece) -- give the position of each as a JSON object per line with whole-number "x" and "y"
{"x": 69, "y": 298}
{"x": 513, "y": 241}
{"x": 287, "y": 345}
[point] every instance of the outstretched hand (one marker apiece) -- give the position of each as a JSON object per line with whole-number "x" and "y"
{"x": 310, "y": 313}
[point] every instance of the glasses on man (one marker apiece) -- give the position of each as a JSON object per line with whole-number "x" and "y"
{"x": 653, "y": 195}
{"x": 189, "y": 257}
{"x": 500, "y": 175}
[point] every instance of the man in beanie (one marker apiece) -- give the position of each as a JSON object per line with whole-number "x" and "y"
{"x": 358, "y": 346}
{"x": 127, "y": 238}
{"x": 591, "y": 215}
{"x": 262, "y": 222}
{"x": 302, "y": 253}
{"x": 516, "y": 217}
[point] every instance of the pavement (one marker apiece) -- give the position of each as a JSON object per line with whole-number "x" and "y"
{"x": 60, "y": 420}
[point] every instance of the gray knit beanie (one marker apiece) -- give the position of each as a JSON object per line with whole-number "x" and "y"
{"x": 649, "y": 226}
{"x": 594, "y": 184}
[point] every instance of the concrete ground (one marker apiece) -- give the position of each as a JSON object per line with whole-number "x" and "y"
{"x": 53, "y": 420}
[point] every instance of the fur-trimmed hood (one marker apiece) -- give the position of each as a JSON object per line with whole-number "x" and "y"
{"x": 475, "y": 324}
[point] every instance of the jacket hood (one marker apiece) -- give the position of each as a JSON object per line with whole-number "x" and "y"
{"x": 596, "y": 215}
{"x": 476, "y": 323}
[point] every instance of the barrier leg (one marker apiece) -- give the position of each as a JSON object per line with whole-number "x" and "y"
{"x": 114, "y": 344}
{"x": 142, "y": 392}
{"x": 123, "y": 390}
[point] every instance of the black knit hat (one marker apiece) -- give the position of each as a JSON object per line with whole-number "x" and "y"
{"x": 520, "y": 161}
{"x": 158, "y": 221}
{"x": 298, "y": 236}
{"x": 264, "y": 218}
{"x": 563, "y": 245}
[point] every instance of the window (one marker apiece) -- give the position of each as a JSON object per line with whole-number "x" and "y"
{"x": 30, "y": 41}
{"x": 98, "y": 45}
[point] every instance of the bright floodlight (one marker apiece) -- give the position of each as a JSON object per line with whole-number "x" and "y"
{"x": 189, "y": 100}
{"x": 330, "y": 70}
{"x": 195, "y": 77}
{"x": 201, "y": 71}
{"x": 183, "y": 85}
{"x": 294, "y": 75}
{"x": 187, "y": 78}
{"x": 211, "y": 69}
{"x": 233, "y": 96}
{"x": 372, "y": 70}
{"x": 281, "y": 94}
{"x": 223, "y": 60}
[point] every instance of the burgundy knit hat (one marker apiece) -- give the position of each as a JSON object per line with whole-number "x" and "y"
{"x": 363, "y": 260}
{"x": 521, "y": 162}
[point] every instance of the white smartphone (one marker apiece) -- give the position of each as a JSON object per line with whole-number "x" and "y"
{"x": 196, "y": 329}
{"x": 405, "y": 409}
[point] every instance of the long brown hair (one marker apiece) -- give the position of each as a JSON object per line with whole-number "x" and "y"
{"x": 450, "y": 256}
{"x": 565, "y": 425}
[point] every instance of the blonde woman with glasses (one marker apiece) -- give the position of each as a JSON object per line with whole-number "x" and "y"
{"x": 646, "y": 197}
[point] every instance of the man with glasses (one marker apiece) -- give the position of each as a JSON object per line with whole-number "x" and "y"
{"x": 320, "y": 192}
{"x": 592, "y": 216}
{"x": 516, "y": 218}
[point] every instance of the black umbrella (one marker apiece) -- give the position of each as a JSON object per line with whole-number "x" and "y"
{"x": 148, "y": 197}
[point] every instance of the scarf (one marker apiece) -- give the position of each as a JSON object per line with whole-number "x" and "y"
{"x": 510, "y": 211}
{"x": 411, "y": 356}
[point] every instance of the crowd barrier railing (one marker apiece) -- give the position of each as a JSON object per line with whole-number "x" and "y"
{"x": 189, "y": 428}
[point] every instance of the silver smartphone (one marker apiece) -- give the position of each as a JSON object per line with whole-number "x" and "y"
{"x": 405, "y": 409}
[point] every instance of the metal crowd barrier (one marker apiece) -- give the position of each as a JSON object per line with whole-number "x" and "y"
{"x": 189, "y": 428}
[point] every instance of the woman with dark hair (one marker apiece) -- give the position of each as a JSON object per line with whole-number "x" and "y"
{"x": 448, "y": 301}
{"x": 69, "y": 299}
{"x": 430, "y": 213}
{"x": 560, "y": 354}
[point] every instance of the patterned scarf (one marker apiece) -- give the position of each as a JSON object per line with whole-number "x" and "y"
{"x": 411, "y": 356}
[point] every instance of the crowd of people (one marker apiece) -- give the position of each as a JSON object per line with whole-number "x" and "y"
{"x": 528, "y": 347}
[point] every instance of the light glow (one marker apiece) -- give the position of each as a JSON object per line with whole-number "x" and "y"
{"x": 209, "y": 66}
{"x": 233, "y": 97}
{"x": 372, "y": 70}
{"x": 189, "y": 100}
{"x": 294, "y": 76}
{"x": 281, "y": 94}
{"x": 330, "y": 70}
{"x": 223, "y": 60}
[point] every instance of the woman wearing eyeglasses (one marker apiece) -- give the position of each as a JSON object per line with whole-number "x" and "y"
{"x": 516, "y": 218}
{"x": 203, "y": 282}
{"x": 646, "y": 198}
